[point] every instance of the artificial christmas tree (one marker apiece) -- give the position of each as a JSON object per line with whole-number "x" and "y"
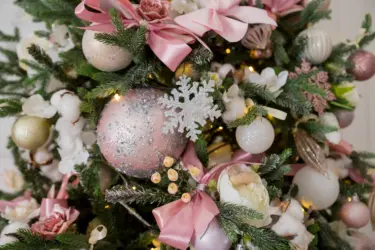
{"x": 179, "y": 124}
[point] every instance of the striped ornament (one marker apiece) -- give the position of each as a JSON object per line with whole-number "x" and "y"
{"x": 318, "y": 47}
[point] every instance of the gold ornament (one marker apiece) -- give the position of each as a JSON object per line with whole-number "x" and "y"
{"x": 310, "y": 152}
{"x": 188, "y": 70}
{"x": 30, "y": 132}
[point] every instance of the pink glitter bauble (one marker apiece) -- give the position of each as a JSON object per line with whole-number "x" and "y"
{"x": 363, "y": 65}
{"x": 355, "y": 214}
{"x": 130, "y": 134}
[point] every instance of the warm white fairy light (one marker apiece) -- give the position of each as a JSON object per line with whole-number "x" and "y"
{"x": 251, "y": 68}
{"x": 117, "y": 97}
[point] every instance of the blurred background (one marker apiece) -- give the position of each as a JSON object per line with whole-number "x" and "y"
{"x": 346, "y": 18}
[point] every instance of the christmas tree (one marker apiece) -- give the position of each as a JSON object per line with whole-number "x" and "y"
{"x": 209, "y": 125}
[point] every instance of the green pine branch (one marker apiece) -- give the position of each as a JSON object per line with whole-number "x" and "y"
{"x": 317, "y": 129}
{"x": 10, "y": 38}
{"x": 253, "y": 91}
{"x": 313, "y": 13}
{"x": 230, "y": 228}
{"x": 278, "y": 46}
{"x": 249, "y": 117}
{"x": 10, "y": 107}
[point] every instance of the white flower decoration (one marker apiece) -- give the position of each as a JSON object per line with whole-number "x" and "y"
{"x": 11, "y": 180}
{"x": 290, "y": 223}
{"x": 61, "y": 38}
{"x": 235, "y": 105}
{"x": 184, "y": 6}
{"x": 330, "y": 119}
{"x": 36, "y": 106}
{"x": 23, "y": 212}
{"x": 269, "y": 79}
{"x": 216, "y": 78}
{"x": 52, "y": 171}
{"x": 10, "y": 229}
{"x": 240, "y": 185}
{"x": 67, "y": 105}
{"x": 349, "y": 92}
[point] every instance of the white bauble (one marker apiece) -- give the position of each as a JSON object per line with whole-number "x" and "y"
{"x": 318, "y": 45}
{"x": 256, "y": 137}
{"x": 316, "y": 190}
{"x": 102, "y": 56}
{"x": 11, "y": 228}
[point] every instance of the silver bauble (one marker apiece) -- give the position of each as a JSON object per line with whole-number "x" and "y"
{"x": 102, "y": 56}
{"x": 318, "y": 45}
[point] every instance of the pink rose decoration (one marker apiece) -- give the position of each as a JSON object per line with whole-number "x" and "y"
{"x": 154, "y": 10}
{"x": 56, "y": 223}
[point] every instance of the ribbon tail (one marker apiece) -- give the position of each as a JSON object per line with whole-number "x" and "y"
{"x": 250, "y": 15}
{"x": 83, "y": 13}
{"x": 169, "y": 50}
{"x": 175, "y": 223}
{"x": 205, "y": 210}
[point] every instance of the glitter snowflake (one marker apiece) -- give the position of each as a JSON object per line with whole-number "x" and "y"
{"x": 189, "y": 107}
{"x": 319, "y": 102}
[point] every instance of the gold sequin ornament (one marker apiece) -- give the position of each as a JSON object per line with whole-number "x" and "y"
{"x": 30, "y": 132}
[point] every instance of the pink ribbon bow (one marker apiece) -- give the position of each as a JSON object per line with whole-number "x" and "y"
{"x": 178, "y": 221}
{"x": 225, "y": 17}
{"x": 167, "y": 40}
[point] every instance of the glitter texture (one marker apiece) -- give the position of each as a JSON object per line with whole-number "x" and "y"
{"x": 130, "y": 134}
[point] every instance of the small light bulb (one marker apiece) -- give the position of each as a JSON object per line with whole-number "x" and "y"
{"x": 134, "y": 187}
{"x": 251, "y": 68}
{"x": 227, "y": 51}
{"x": 349, "y": 199}
{"x": 117, "y": 97}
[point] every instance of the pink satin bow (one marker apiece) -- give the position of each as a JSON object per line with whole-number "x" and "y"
{"x": 178, "y": 221}
{"x": 167, "y": 40}
{"x": 225, "y": 17}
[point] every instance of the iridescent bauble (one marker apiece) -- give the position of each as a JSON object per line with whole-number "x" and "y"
{"x": 214, "y": 238}
{"x": 130, "y": 134}
{"x": 355, "y": 214}
{"x": 256, "y": 137}
{"x": 318, "y": 45}
{"x": 30, "y": 132}
{"x": 102, "y": 56}
{"x": 345, "y": 117}
{"x": 316, "y": 190}
{"x": 363, "y": 65}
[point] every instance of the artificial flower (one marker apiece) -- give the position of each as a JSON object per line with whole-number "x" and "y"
{"x": 61, "y": 37}
{"x": 12, "y": 228}
{"x": 154, "y": 10}
{"x": 216, "y": 78}
{"x": 269, "y": 79}
{"x": 156, "y": 178}
{"x": 73, "y": 156}
{"x": 290, "y": 223}
{"x": 347, "y": 91}
{"x": 172, "y": 188}
{"x": 240, "y": 185}
{"x": 11, "y": 180}
{"x": 36, "y": 106}
{"x": 235, "y": 105}
{"x": 23, "y": 211}
{"x": 51, "y": 171}
{"x": 168, "y": 161}
{"x": 330, "y": 119}
{"x": 56, "y": 223}
{"x": 184, "y": 6}
{"x": 67, "y": 105}
{"x": 172, "y": 175}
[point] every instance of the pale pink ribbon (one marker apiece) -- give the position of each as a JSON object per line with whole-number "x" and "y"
{"x": 225, "y": 17}
{"x": 343, "y": 147}
{"x": 15, "y": 202}
{"x": 167, "y": 40}
{"x": 179, "y": 221}
{"x": 61, "y": 198}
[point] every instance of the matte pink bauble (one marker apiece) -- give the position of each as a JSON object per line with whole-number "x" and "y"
{"x": 214, "y": 238}
{"x": 355, "y": 214}
{"x": 363, "y": 65}
{"x": 130, "y": 134}
{"x": 344, "y": 117}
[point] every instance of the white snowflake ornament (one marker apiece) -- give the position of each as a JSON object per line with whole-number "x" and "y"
{"x": 189, "y": 107}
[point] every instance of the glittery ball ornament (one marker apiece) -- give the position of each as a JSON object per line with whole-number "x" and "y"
{"x": 256, "y": 137}
{"x": 130, "y": 134}
{"x": 316, "y": 190}
{"x": 30, "y": 132}
{"x": 345, "y": 117}
{"x": 355, "y": 214}
{"x": 102, "y": 56}
{"x": 214, "y": 238}
{"x": 363, "y": 65}
{"x": 318, "y": 45}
